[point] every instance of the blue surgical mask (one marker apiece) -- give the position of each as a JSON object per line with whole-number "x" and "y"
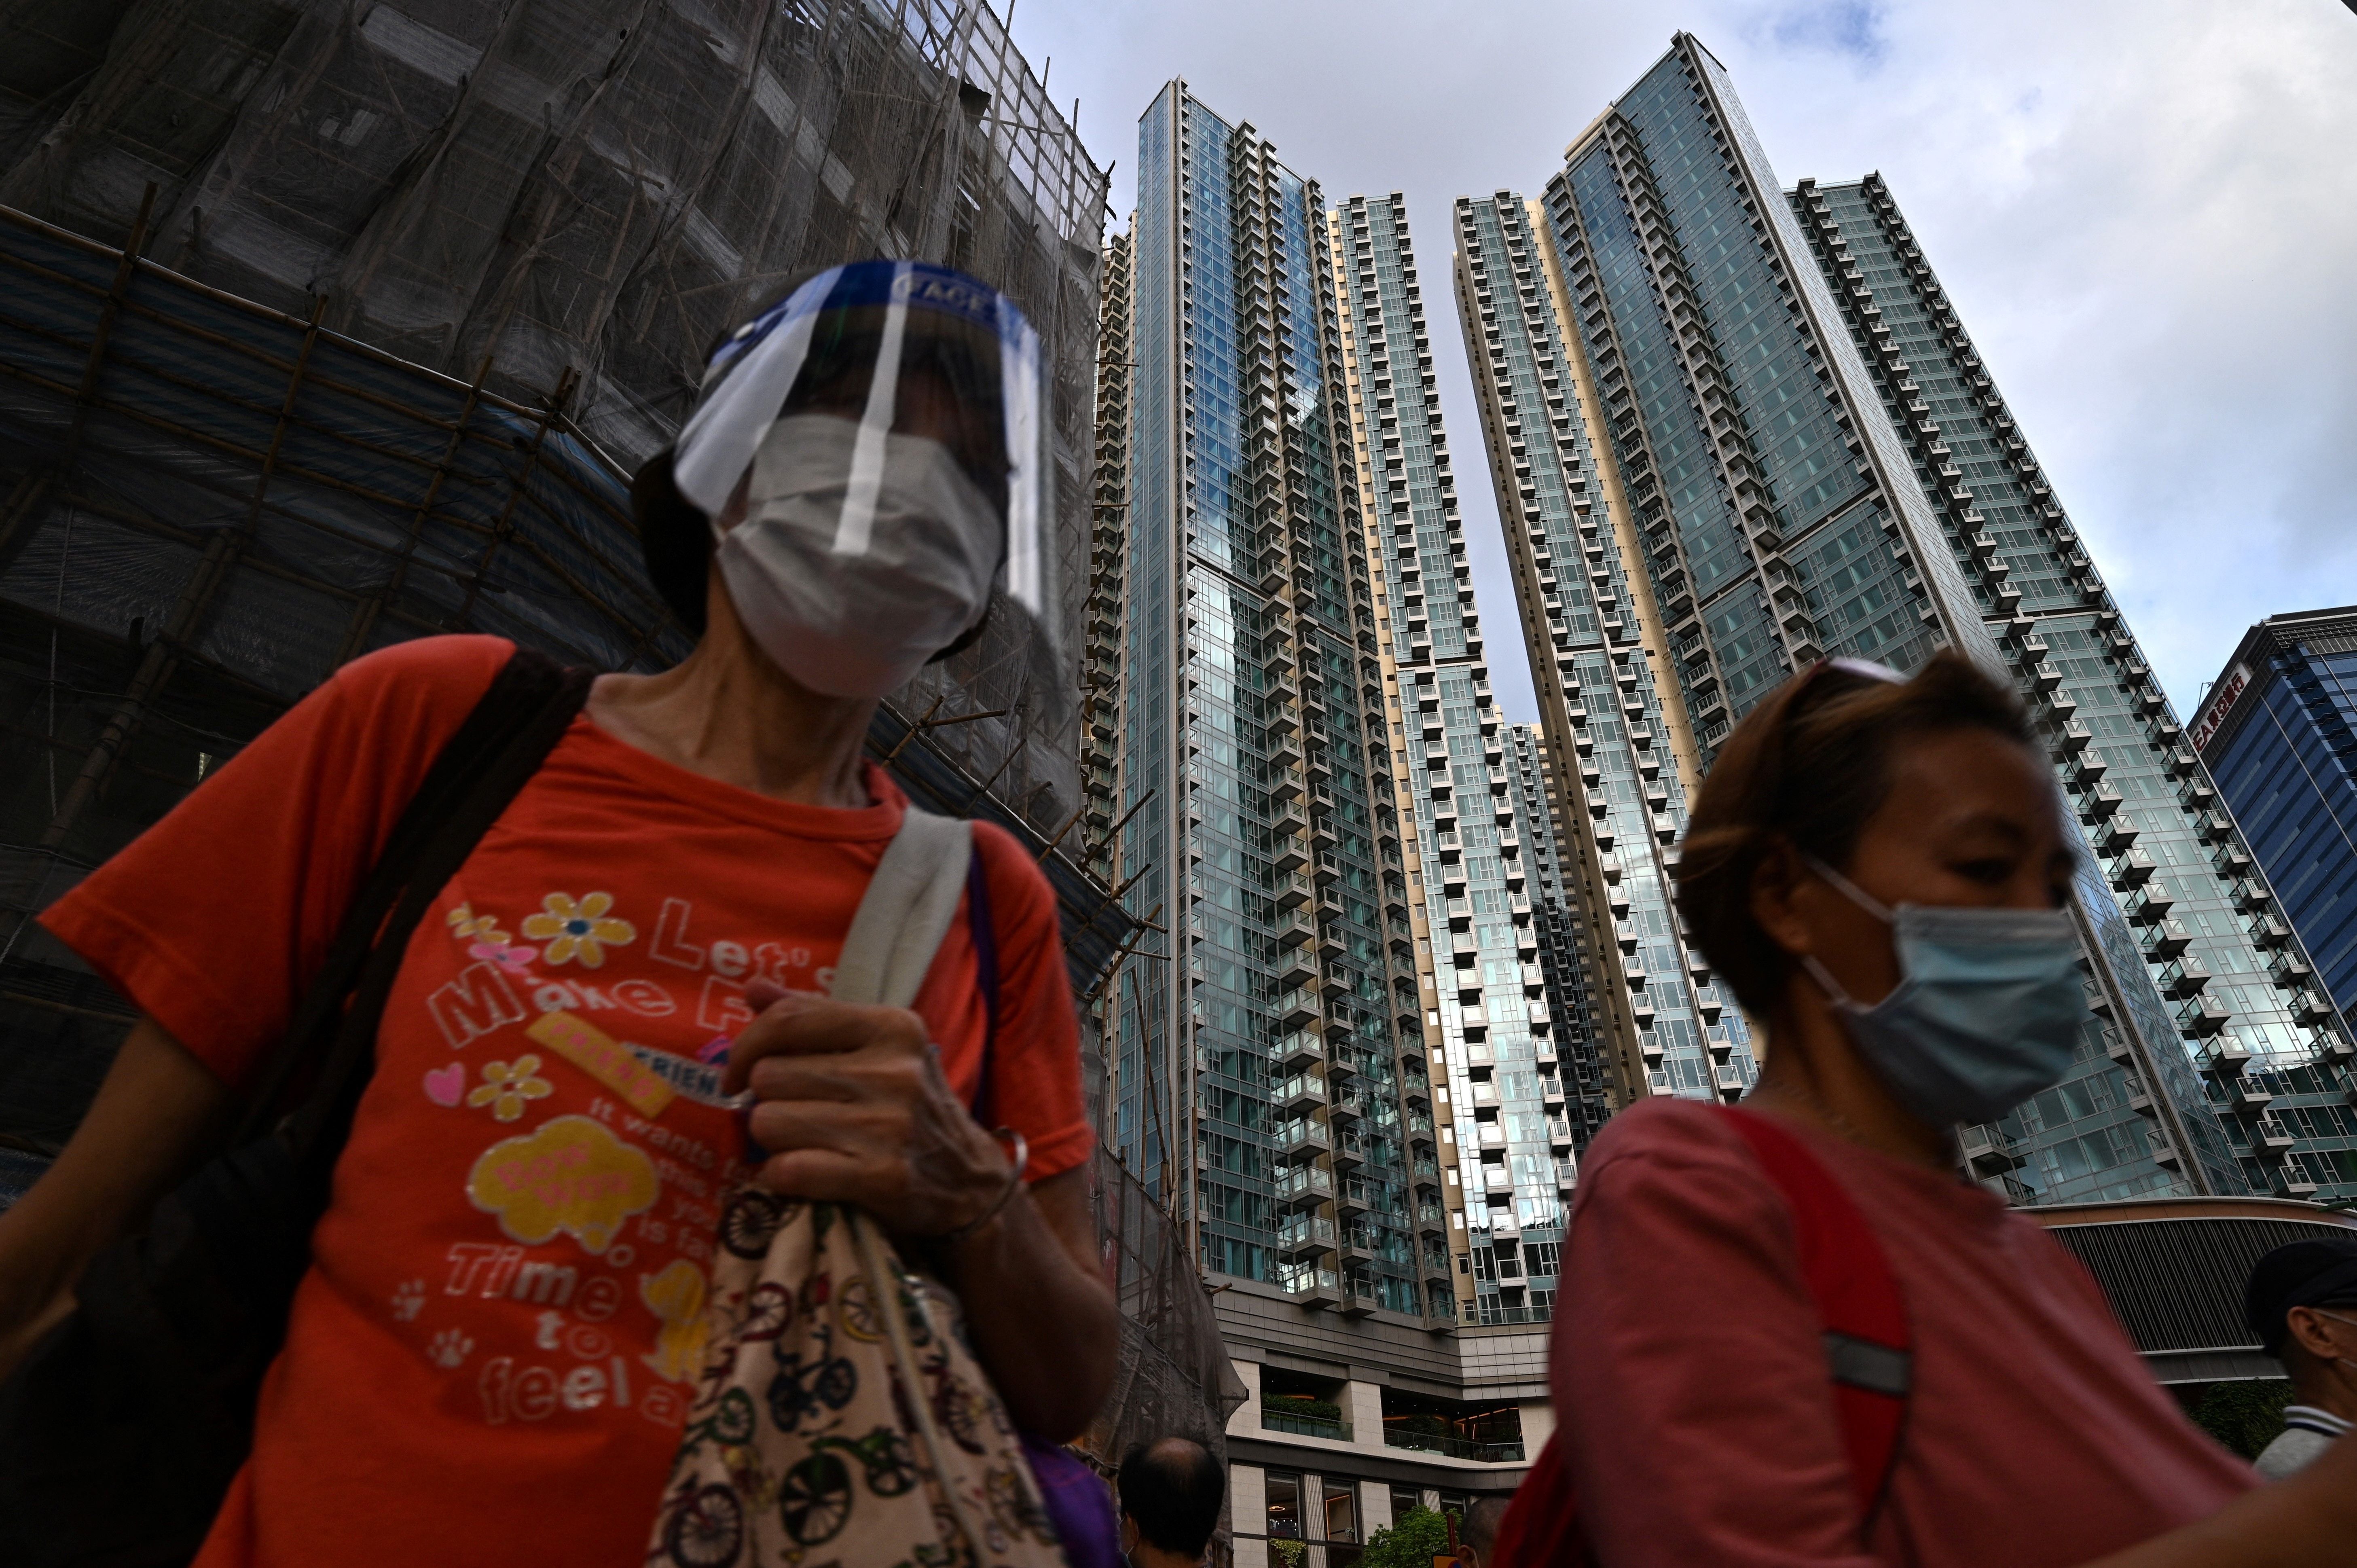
{"x": 1987, "y": 1010}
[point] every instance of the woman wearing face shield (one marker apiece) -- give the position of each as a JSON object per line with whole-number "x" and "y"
{"x": 494, "y": 1348}
{"x": 1789, "y": 1332}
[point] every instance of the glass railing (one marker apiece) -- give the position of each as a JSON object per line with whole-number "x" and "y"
{"x": 1494, "y": 1315}
{"x": 1304, "y": 1179}
{"x": 1454, "y": 1446}
{"x": 1307, "y": 1084}
{"x": 1294, "y": 1040}
{"x": 1273, "y": 1419}
{"x": 1299, "y": 1231}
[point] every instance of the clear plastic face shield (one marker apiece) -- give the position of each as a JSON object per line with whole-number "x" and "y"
{"x": 882, "y": 429}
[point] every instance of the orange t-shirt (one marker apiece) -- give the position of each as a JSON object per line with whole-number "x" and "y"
{"x": 490, "y": 1359}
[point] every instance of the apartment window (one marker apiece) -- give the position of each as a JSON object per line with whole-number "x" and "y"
{"x": 1403, "y": 1499}
{"x": 1283, "y": 1506}
{"x": 1341, "y": 1511}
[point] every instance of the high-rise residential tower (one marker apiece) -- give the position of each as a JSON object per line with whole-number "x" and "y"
{"x": 2278, "y": 732}
{"x": 1265, "y": 1063}
{"x": 1284, "y": 1069}
{"x": 1618, "y": 744}
{"x": 1743, "y": 377}
{"x": 1500, "y": 983}
{"x": 2203, "y": 919}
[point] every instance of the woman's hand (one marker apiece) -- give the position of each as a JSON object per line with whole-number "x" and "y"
{"x": 851, "y": 1107}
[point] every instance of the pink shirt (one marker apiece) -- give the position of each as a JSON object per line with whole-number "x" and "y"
{"x": 1698, "y": 1417}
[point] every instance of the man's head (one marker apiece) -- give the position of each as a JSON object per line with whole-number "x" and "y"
{"x": 1479, "y": 1531}
{"x": 2302, "y": 1304}
{"x": 1170, "y": 1493}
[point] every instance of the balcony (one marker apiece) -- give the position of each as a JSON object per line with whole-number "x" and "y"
{"x": 2294, "y": 1183}
{"x": 2248, "y": 1098}
{"x": 1303, "y": 1139}
{"x": 1454, "y": 1446}
{"x": 2289, "y": 969}
{"x": 2152, "y": 902}
{"x": 1305, "y": 1236}
{"x": 2270, "y": 1139}
{"x": 1298, "y": 1048}
{"x": 1988, "y": 1151}
{"x": 2099, "y": 801}
{"x": 1305, "y": 1185}
{"x": 1301, "y": 1094}
{"x": 2228, "y": 1058}
{"x": 2202, "y": 1016}
{"x": 1494, "y": 1317}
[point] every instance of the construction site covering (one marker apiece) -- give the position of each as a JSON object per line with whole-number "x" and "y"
{"x": 325, "y": 325}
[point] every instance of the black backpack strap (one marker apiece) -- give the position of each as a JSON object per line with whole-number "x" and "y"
{"x": 478, "y": 772}
{"x": 983, "y": 932}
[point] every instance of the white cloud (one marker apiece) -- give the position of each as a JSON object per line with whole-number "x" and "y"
{"x": 2145, "y": 211}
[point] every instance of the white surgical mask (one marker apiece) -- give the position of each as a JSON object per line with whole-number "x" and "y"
{"x": 857, "y": 617}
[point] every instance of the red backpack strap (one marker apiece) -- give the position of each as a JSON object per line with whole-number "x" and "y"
{"x": 1869, "y": 1347}
{"x": 1541, "y": 1528}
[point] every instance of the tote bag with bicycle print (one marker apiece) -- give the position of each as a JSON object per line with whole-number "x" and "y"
{"x": 841, "y": 1417}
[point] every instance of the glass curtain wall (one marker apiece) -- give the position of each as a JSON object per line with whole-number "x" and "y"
{"x": 2197, "y": 914}
{"x": 1504, "y": 995}
{"x": 1262, "y": 1079}
{"x": 2280, "y": 732}
{"x": 1780, "y": 518}
{"x": 1608, "y": 711}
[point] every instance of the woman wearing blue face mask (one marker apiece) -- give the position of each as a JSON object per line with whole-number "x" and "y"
{"x": 1791, "y": 1332}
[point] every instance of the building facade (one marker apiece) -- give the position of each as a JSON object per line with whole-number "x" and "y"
{"x": 1739, "y": 375}
{"x": 2201, "y": 915}
{"x": 1620, "y": 750}
{"x": 2279, "y": 733}
{"x": 1336, "y": 1050}
{"x": 1496, "y": 1043}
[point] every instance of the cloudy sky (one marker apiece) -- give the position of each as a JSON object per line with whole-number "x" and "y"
{"x": 2145, "y": 211}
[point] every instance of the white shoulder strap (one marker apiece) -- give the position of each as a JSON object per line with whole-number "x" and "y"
{"x": 905, "y": 912}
